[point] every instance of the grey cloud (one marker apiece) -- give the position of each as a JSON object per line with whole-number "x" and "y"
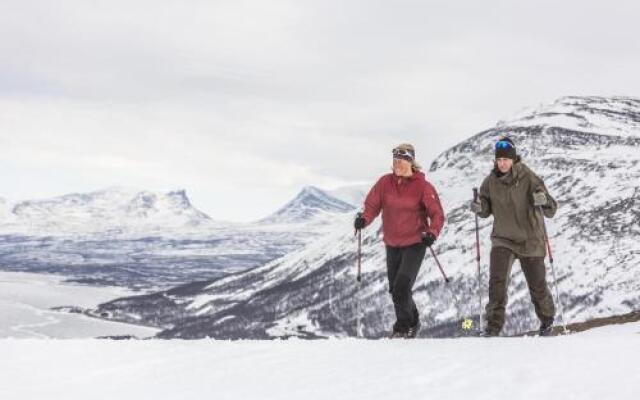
{"x": 297, "y": 92}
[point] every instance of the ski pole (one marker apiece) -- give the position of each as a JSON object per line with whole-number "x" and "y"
{"x": 359, "y": 275}
{"x": 553, "y": 270}
{"x": 433, "y": 253}
{"x": 447, "y": 280}
{"x": 475, "y": 199}
{"x": 358, "y": 278}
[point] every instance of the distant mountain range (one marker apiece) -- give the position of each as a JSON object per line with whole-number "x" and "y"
{"x": 143, "y": 239}
{"x": 106, "y": 211}
{"x": 135, "y": 212}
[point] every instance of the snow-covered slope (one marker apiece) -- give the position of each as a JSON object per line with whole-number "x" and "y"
{"x": 591, "y": 366}
{"x": 312, "y": 292}
{"x": 311, "y": 203}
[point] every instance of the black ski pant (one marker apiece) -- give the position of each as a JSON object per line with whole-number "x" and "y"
{"x": 403, "y": 264}
{"x": 534, "y": 271}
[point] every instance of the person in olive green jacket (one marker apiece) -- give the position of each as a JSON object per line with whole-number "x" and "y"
{"x": 513, "y": 194}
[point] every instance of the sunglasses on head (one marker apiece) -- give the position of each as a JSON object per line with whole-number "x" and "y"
{"x": 503, "y": 144}
{"x": 402, "y": 153}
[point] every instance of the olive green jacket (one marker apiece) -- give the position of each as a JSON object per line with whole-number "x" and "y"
{"x": 517, "y": 224}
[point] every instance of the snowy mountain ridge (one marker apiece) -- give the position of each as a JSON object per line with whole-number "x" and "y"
{"x": 310, "y": 203}
{"x": 106, "y": 210}
{"x": 608, "y": 115}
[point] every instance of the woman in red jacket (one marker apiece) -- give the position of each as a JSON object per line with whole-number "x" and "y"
{"x": 412, "y": 218}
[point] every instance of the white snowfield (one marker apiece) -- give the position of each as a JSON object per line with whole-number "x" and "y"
{"x": 25, "y": 309}
{"x": 599, "y": 364}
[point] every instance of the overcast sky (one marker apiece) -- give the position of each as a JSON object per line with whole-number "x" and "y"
{"x": 242, "y": 103}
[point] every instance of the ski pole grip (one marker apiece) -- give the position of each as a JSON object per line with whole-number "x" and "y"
{"x": 359, "y": 214}
{"x": 475, "y": 194}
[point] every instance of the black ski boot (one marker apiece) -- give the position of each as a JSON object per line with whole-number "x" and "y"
{"x": 487, "y": 333}
{"x": 546, "y": 328}
{"x": 397, "y": 335}
{"x": 413, "y": 331}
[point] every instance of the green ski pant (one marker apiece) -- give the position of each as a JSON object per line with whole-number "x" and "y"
{"x": 534, "y": 271}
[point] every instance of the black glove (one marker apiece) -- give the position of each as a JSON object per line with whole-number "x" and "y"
{"x": 359, "y": 222}
{"x": 428, "y": 238}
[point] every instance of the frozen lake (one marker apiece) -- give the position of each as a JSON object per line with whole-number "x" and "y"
{"x": 26, "y": 299}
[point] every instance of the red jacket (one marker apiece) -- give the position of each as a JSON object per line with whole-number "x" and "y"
{"x": 409, "y": 207}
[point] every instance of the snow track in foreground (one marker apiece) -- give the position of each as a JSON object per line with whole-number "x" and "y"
{"x": 594, "y": 365}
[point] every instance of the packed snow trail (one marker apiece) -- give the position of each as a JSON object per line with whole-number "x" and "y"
{"x": 599, "y": 364}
